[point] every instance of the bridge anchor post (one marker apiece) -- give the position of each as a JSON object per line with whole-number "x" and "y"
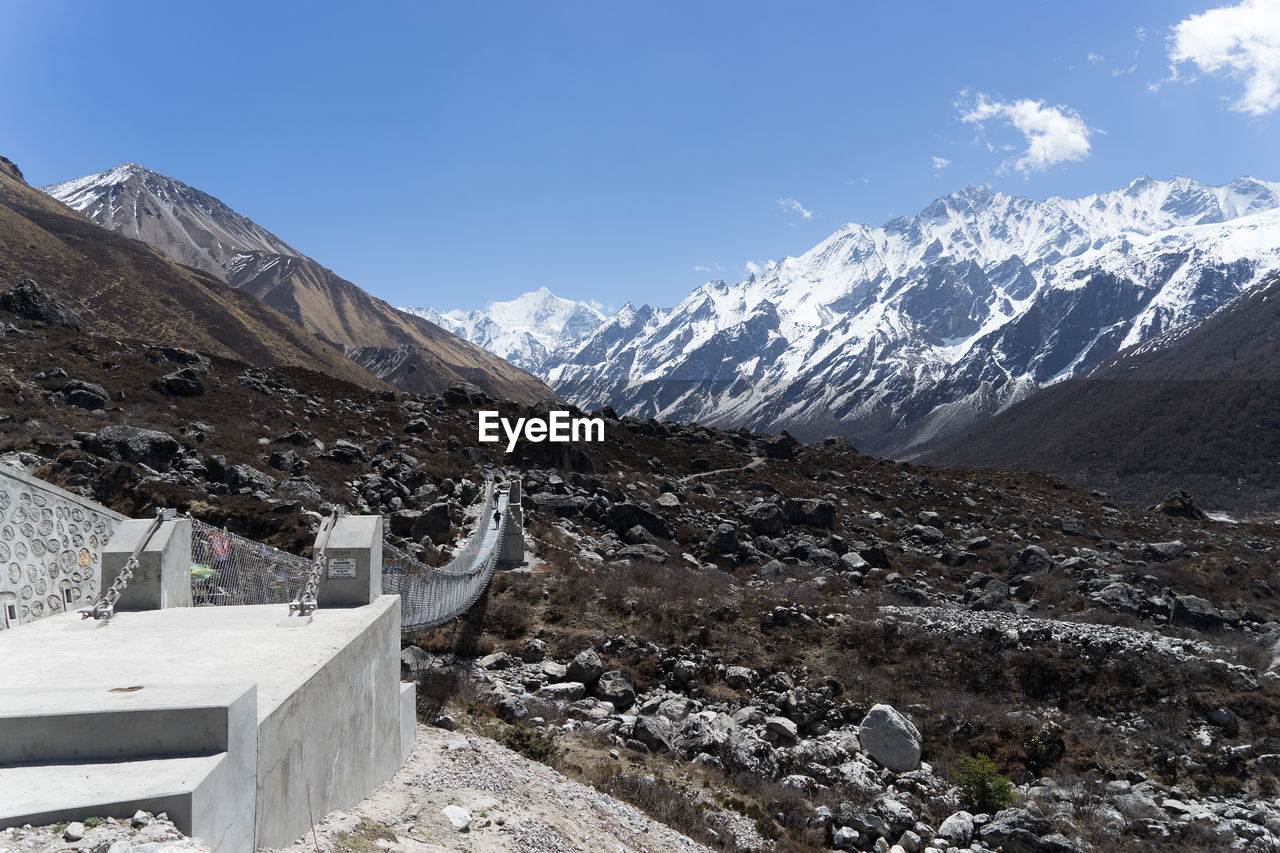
{"x": 511, "y": 549}
{"x": 162, "y": 578}
{"x": 352, "y": 570}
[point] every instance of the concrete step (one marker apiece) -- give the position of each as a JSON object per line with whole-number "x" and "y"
{"x": 115, "y": 723}
{"x": 43, "y": 794}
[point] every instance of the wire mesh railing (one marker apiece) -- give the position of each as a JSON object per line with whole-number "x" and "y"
{"x": 431, "y": 596}
{"x": 228, "y": 569}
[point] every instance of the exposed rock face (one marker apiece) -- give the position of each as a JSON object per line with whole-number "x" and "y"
{"x": 890, "y": 739}
{"x": 29, "y": 301}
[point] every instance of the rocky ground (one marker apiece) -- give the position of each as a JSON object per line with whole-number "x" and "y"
{"x": 144, "y": 833}
{"x": 786, "y": 646}
{"x": 459, "y": 791}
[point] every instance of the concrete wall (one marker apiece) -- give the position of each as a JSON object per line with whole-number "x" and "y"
{"x": 50, "y": 541}
{"x": 336, "y": 737}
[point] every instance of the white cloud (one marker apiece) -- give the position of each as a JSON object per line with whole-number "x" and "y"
{"x": 1120, "y": 72}
{"x": 701, "y": 268}
{"x": 940, "y": 163}
{"x": 1095, "y": 58}
{"x": 1141, "y": 33}
{"x": 1243, "y": 41}
{"x": 1054, "y": 134}
{"x": 790, "y": 205}
{"x": 757, "y": 267}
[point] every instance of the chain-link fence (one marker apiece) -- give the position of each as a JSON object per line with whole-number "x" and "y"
{"x": 432, "y": 596}
{"x": 230, "y": 569}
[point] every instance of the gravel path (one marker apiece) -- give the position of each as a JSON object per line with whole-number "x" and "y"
{"x": 515, "y": 804}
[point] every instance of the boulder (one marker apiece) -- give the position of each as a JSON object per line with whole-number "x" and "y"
{"x": 782, "y": 447}
{"x": 1031, "y": 559}
{"x": 615, "y": 687}
{"x": 247, "y": 477}
{"x": 1180, "y": 504}
{"x": 29, "y": 301}
{"x": 957, "y": 829}
{"x": 1018, "y": 831}
{"x": 765, "y": 518}
{"x": 782, "y": 727}
{"x": 586, "y": 667}
{"x": 433, "y": 523}
{"x": 1162, "y": 552}
{"x": 1076, "y": 527}
{"x": 533, "y": 651}
{"x": 181, "y": 383}
{"x": 653, "y": 732}
{"x": 815, "y": 513}
{"x": 458, "y": 817}
{"x": 621, "y": 517}
{"x": 724, "y": 540}
{"x": 85, "y": 395}
{"x": 565, "y": 691}
{"x": 346, "y": 451}
{"x": 739, "y": 677}
{"x": 890, "y": 738}
{"x": 497, "y": 660}
{"x": 565, "y": 506}
{"x": 1195, "y": 612}
{"x": 133, "y": 444}
{"x": 511, "y": 710}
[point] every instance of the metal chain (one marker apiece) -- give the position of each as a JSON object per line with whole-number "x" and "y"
{"x": 305, "y": 603}
{"x": 105, "y": 607}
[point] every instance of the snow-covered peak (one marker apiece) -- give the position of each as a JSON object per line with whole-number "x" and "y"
{"x": 188, "y": 225}
{"x": 901, "y": 334}
{"x": 524, "y": 330}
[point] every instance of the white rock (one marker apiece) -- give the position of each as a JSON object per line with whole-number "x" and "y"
{"x": 458, "y": 816}
{"x": 73, "y": 832}
{"x": 958, "y": 829}
{"x": 890, "y": 739}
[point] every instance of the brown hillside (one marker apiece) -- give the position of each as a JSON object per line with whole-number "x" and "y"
{"x": 1196, "y": 409}
{"x": 125, "y": 288}
{"x": 192, "y": 227}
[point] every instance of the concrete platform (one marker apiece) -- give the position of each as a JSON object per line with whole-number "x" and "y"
{"x": 290, "y": 711}
{"x": 62, "y": 792}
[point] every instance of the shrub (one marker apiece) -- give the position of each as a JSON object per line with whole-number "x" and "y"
{"x": 531, "y": 743}
{"x": 982, "y": 784}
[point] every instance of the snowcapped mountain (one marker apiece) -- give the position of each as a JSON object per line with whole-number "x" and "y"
{"x": 526, "y": 330}
{"x": 901, "y": 336}
{"x": 196, "y": 229}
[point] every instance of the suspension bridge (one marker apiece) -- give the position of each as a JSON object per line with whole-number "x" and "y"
{"x": 169, "y": 665}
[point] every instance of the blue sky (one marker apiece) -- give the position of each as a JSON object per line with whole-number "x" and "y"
{"x": 448, "y": 154}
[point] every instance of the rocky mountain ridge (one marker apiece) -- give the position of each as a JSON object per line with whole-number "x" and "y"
{"x": 193, "y": 227}
{"x": 901, "y": 336}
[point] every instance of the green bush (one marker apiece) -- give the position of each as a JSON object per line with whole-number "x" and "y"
{"x": 982, "y": 784}
{"x": 531, "y": 743}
